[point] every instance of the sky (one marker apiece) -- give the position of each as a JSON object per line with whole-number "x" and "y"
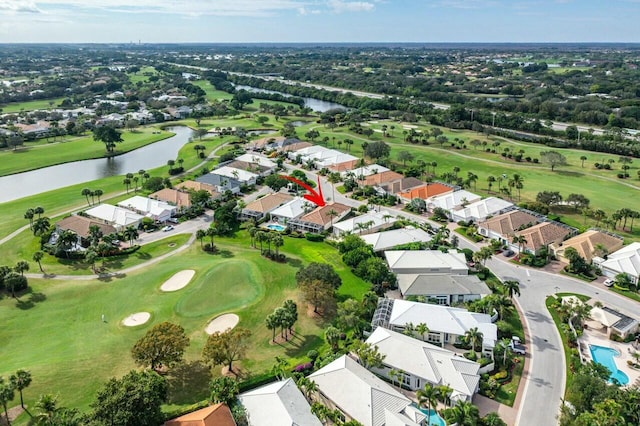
{"x": 255, "y": 21}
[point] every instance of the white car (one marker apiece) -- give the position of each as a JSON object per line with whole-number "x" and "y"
{"x": 167, "y": 228}
{"x": 609, "y": 282}
{"x": 516, "y": 346}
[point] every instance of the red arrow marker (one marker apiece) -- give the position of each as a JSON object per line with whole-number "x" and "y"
{"x": 314, "y": 196}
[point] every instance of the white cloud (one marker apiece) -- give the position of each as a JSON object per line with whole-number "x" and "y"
{"x": 18, "y": 6}
{"x": 468, "y": 4}
{"x": 174, "y": 7}
{"x": 340, "y": 6}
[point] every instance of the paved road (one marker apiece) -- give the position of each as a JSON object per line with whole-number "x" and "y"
{"x": 546, "y": 379}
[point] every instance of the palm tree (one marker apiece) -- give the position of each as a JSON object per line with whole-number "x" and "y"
{"x": 332, "y": 213}
{"x": 394, "y": 375}
{"x": 41, "y": 225}
{"x": 21, "y": 267}
{"x": 29, "y": 214}
{"x": 427, "y": 396}
{"x": 126, "y": 182}
{"x": 504, "y": 346}
{"x": 90, "y": 257}
{"x": 490, "y": 180}
{"x": 520, "y": 240}
{"x": 37, "y": 257}
{"x": 463, "y": 414}
{"x": 474, "y": 337}
{"x": 472, "y": 178}
{"x": 38, "y": 210}
{"x": 131, "y": 234}
{"x": 212, "y": 231}
{"x": 517, "y": 182}
{"x": 200, "y": 234}
{"x": 95, "y": 233}
{"x": 98, "y": 193}
{"x": 277, "y": 241}
{"x": 272, "y": 324}
{"x": 422, "y": 329}
{"x": 444, "y": 391}
{"x": 21, "y": 380}
{"x": 6, "y": 395}
{"x": 511, "y": 287}
{"x": 598, "y": 215}
{"x": 47, "y": 407}
{"x": 86, "y": 192}
{"x": 65, "y": 241}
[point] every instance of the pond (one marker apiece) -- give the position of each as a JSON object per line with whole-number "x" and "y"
{"x": 49, "y": 178}
{"x": 315, "y": 104}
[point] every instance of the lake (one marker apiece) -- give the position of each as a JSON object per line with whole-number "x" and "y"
{"x": 49, "y": 178}
{"x": 315, "y": 104}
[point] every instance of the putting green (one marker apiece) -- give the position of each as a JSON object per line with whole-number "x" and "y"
{"x": 226, "y": 286}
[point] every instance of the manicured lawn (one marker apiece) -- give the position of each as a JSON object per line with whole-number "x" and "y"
{"x": 73, "y": 149}
{"x": 70, "y": 198}
{"x": 507, "y": 392}
{"x": 556, "y": 319}
{"x": 212, "y": 94}
{"x": 25, "y": 244}
{"x": 75, "y": 352}
{"x": 603, "y": 188}
{"x": 627, "y": 293}
{"x": 30, "y": 105}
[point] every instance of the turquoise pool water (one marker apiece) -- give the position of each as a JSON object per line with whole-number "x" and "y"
{"x": 433, "y": 418}
{"x": 604, "y": 356}
{"x": 276, "y": 227}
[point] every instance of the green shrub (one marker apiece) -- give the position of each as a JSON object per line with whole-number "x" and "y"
{"x": 316, "y": 238}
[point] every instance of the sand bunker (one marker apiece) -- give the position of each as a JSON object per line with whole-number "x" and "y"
{"x": 178, "y": 280}
{"x": 138, "y": 318}
{"x": 222, "y": 323}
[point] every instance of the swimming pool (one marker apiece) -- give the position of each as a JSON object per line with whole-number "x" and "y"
{"x": 604, "y": 356}
{"x": 276, "y": 227}
{"x": 433, "y": 418}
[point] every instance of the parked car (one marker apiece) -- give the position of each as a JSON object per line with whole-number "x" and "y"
{"x": 516, "y": 346}
{"x": 508, "y": 253}
{"x": 609, "y": 282}
{"x": 167, "y": 228}
{"x": 173, "y": 220}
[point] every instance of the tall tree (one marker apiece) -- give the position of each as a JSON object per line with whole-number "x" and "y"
{"x": 37, "y": 257}
{"x": 226, "y": 347}
{"x": 316, "y": 271}
{"x": 319, "y": 294}
{"x": 133, "y": 400}
{"x": 427, "y": 396}
{"x": 20, "y": 381}
{"x": 107, "y": 135}
{"x": 7, "y": 393}
{"x": 553, "y": 159}
{"x": 163, "y": 345}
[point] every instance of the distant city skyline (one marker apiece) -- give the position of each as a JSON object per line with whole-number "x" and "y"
{"x": 285, "y": 21}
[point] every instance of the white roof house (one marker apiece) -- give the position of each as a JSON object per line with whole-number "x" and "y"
{"x": 155, "y": 209}
{"x": 279, "y": 403}
{"x": 425, "y": 363}
{"x": 373, "y": 221}
{"x": 481, "y": 209}
{"x": 624, "y": 261}
{"x": 292, "y": 210}
{"x": 257, "y": 159}
{"x": 452, "y": 200}
{"x": 362, "y": 396}
{"x": 388, "y": 239}
{"x": 237, "y": 174}
{"x": 445, "y": 289}
{"x": 446, "y": 324}
{"x": 117, "y": 216}
{"x": 426, "y": 262}
{"x": 371, "y": 169}
{"x": 323, "y": 157}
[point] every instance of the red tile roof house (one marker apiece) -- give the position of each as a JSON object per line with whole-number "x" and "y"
{"x": 320, "y": 219}
{"x": 502, "y": 227}
{"x": 214, "y": 415}
{"x": 543, "y": 235}
{"x": 423, "y": 192}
